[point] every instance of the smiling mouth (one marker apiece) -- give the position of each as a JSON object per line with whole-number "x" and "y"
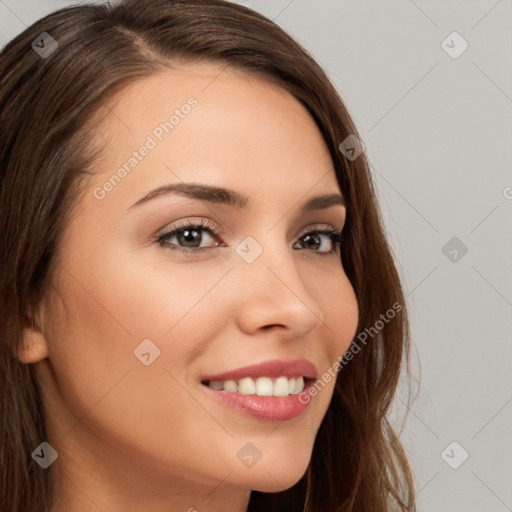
{"x": 261, "y": 386}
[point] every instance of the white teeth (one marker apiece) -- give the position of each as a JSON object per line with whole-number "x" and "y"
{"x": 298, "y": 386}
{"x": 246, "y": 387}
{"x": 262, "y": 386}
{"x": 281, "y": 387}
{"x": 230, "y": 385}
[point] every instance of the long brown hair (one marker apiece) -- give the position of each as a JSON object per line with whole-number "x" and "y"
{"x": 46, "y": 101}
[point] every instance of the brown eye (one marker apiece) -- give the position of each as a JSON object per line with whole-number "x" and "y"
{"x": 327, "y": 239}
{"x": 189, "y": 237}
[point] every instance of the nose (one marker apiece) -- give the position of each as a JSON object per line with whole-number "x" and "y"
{"x": 276, "y": 296}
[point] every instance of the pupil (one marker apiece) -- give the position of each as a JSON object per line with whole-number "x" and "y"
{"x": 316, "y": 243}
{"x": 188, "y": 238}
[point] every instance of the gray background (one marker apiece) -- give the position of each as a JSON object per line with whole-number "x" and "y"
{"x": 438, "y": 134}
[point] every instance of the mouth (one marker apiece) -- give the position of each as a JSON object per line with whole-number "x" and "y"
{"x": 269, "y": 391}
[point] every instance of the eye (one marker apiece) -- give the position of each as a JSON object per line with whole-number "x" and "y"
{"x": 322, "y": 240}
{"x": 188, "y": 236}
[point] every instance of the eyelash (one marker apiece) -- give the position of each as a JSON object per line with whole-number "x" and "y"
{"x": 204, "y": 225}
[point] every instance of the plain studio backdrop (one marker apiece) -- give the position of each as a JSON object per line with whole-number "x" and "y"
{"x": 429, "y": 85}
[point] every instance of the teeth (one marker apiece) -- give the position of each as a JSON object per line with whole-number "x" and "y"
{"x": 281, "y": 387}
{"x": 246, "y": 387}
{"x": 262, "y": 386}
{"x": 298, "y": 386}
{"x": 230, "y": 385}
{"x": 216, "y": 384}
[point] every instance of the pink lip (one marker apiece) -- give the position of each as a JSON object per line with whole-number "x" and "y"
{"x": 267, "y": 408}
{"x": 272, "y": 368}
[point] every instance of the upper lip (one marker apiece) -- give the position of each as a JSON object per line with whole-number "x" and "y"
{"x": 271, "y": 368}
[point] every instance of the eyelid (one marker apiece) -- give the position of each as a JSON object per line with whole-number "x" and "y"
{"x": 185, "y": 223}
{"x": 319, "y": 227}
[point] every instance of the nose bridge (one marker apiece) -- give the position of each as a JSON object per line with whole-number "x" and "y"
{"x": 275, "y": 291}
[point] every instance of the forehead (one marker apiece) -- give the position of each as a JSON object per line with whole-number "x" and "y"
{"x": 207, "y": 123}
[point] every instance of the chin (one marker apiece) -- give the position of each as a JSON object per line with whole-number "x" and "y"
{"x": 273, "y": 476}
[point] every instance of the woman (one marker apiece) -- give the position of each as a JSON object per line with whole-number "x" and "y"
{"x": 200, "y": 310}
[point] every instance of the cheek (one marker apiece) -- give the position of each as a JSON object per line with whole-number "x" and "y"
{"x": 138, "y": 297}
{"x": 108, "y": 310}
{"x": 341, "y": 315}
{"x": 110, "y": 392}
{"x": 337, "y": 300}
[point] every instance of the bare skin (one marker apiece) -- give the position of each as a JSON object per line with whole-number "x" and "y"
{"x": 133, "y": 437}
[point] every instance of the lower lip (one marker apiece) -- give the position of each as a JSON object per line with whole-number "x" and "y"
{"x": 265, "y": 408}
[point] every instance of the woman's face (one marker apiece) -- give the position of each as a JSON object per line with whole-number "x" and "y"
{"x": 138, "y": 324}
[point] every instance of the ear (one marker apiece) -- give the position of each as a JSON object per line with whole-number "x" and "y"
{"x": 34, "y": 347}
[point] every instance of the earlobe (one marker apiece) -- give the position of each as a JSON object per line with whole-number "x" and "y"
{"x": 34, "y": 346}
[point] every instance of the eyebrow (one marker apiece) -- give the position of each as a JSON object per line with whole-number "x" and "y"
{"x": 231, "y": 198}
